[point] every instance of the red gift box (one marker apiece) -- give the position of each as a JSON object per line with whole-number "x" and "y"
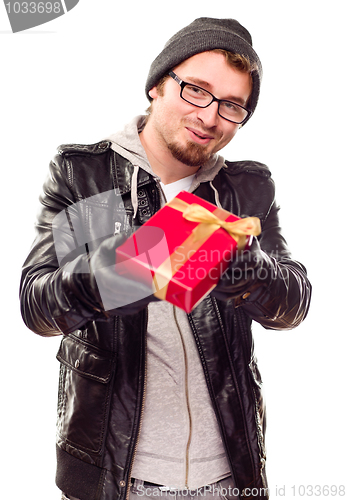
{"x": 184, "y": 249}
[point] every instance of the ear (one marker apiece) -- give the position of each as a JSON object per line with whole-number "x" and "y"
{"x": 153, "y": 93}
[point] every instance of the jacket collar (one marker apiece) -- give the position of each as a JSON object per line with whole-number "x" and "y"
{"x": 125, "y": 170}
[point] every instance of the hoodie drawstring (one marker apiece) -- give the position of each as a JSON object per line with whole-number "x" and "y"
{"x": 134, "y": 200}
{"x": 216, "y": 195}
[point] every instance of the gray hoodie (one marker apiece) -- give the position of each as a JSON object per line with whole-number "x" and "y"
{"x": 179, "y": 444}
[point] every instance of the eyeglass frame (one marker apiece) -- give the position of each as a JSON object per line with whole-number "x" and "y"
{"x": 183, "y": 84}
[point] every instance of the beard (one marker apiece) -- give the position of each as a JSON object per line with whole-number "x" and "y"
{"x": 193, "y": 155}
{"x": 185, "y": 151}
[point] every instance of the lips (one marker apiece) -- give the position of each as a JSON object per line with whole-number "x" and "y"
{"x": 198, "y": 136}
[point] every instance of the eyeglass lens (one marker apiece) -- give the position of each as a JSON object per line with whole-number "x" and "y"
{"x": 200, "y": 97}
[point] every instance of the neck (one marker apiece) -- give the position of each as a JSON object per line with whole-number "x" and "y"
{"x": 162, "y": 162}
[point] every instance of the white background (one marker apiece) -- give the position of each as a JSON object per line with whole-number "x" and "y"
{"x": 80, "y": 78}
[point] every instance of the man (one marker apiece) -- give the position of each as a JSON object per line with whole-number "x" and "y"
{"x": 152, "y": 401}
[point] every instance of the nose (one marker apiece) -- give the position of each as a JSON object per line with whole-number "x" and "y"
{"x": 209, "y": 116}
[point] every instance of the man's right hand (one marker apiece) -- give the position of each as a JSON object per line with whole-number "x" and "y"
{"x": 112, "y": 292}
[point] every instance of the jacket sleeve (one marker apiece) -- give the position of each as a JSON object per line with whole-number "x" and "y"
{"x": 51, "y": 303}
{"x": 280, "y": 297}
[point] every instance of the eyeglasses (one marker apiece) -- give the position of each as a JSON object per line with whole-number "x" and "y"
{"x": 202, "y": 99}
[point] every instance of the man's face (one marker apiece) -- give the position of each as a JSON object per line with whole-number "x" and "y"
{"x": 194, "y": 134}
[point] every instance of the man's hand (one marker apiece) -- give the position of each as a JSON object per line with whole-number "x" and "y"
{"x": 250, "y": 267}
{"x": 114, "y": 293}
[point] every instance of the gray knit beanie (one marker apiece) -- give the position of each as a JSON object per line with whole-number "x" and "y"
{"x": 201, "y": 35}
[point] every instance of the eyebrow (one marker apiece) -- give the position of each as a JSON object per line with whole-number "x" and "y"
{"x": 208, "y": 86}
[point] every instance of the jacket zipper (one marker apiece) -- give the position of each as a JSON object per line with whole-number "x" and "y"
{"x": 140, "y": 419}
{"x": 262, "y": 451}
{"x": 260, "y": 440}
{"x": 190, "y": 317}
{"x": 187, "y": 398}
{"x": 144, "y": 391}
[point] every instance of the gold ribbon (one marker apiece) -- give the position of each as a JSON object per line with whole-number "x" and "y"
{"x": 209, "y": 222}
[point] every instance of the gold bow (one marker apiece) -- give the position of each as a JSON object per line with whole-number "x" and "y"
{"x": 209, "y": 223}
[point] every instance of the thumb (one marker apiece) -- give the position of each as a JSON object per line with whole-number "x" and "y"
{"x": 105, "y": 255}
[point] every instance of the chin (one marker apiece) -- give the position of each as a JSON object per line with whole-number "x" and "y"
{"x": 192, "y": 155}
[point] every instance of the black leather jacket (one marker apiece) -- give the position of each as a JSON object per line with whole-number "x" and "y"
{"x": 103, "y": 359}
